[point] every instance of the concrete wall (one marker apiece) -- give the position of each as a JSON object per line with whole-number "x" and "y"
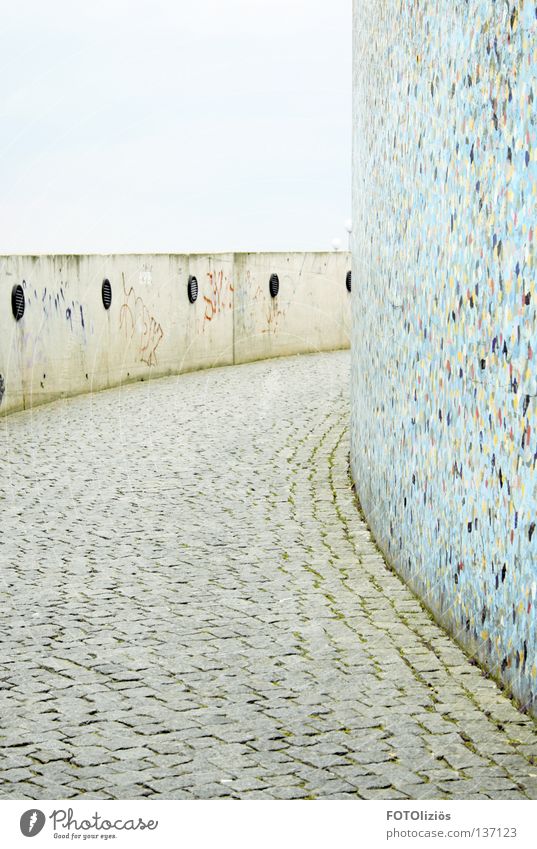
{"x": 444, "y": 437}
{"x": 67, "y": 343}
{"x": 311, "y": 312}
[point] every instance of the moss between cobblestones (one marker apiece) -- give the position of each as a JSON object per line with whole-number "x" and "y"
{"x": 427, "y": 611}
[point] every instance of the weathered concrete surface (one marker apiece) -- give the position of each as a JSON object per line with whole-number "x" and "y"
{"x": 311, "y": 313}
{"x": 67, "y": 343}
{"x": 192, "y": 607}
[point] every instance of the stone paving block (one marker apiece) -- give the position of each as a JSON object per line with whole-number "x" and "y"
{"x": 259, "y": 648}
{"x": 382, "y": 793}
{"x": 290, "y": 792}
{"x": 17, "y": 776}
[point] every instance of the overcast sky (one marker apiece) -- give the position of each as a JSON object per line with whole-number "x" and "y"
{"x": 174, "y": 125}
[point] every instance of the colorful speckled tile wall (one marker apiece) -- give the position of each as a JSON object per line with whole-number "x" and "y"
{"x": 444, "y": 382}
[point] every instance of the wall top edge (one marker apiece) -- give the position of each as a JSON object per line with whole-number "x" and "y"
{"x": 164, "y": 253}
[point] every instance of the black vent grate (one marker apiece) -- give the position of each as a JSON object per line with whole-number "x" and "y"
{"x": 106, "y": 294}
{"x": 192, "y": 289}
{"x": 274, "y": 285}
{"x": 348, "y": 281}
{"x": 18, "y": 302}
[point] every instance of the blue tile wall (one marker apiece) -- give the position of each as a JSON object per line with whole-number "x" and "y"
{"x": 444, "y": 370}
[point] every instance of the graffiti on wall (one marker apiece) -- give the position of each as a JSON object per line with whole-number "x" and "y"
{"x": 140, "y": 326}
{"x": 56, "y": 308}
{"x": 444, "y": 414}
{"x": 220, "y": 297}
{"x": 272, "y": 311}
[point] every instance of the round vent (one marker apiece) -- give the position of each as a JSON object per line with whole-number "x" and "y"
{"x": 18, "y": 302}
{"x": 348, "y": 281}
{"x": 107, "y": 294}
{"x": 192, "y": 289}
{"x": 274, "y": 285}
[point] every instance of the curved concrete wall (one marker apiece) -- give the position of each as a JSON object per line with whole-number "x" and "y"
{"x": 67, "y": 343}
{"x": 444, "y": 437}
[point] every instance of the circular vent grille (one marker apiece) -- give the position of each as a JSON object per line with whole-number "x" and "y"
{"x": 348, "y": 281}
{"x": 192, "y": 289}
{"x": 107, "y": 294}
{"x": 274, "y": 285}
{"x": 18, "y": 302}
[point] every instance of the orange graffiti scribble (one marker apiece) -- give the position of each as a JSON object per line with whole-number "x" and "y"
{"x": 273, "y": 313}
{"x": 221, "y": 290}
{"x": 135, "y": 318}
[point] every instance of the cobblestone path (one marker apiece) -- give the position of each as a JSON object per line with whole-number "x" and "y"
{"x": 192, "y": 608}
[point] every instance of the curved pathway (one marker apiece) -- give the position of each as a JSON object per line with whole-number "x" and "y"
{"x": 193, "y": 608}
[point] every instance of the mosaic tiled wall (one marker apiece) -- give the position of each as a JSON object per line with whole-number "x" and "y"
{"x": 444, "y": 423}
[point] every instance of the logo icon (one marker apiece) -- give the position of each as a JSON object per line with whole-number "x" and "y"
{"x": 32, "y": 822}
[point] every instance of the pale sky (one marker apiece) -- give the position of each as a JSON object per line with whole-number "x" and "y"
{"x": 174, "y": 125}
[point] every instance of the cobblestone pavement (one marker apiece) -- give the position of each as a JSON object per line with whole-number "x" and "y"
{"x": 192, "y": 608}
